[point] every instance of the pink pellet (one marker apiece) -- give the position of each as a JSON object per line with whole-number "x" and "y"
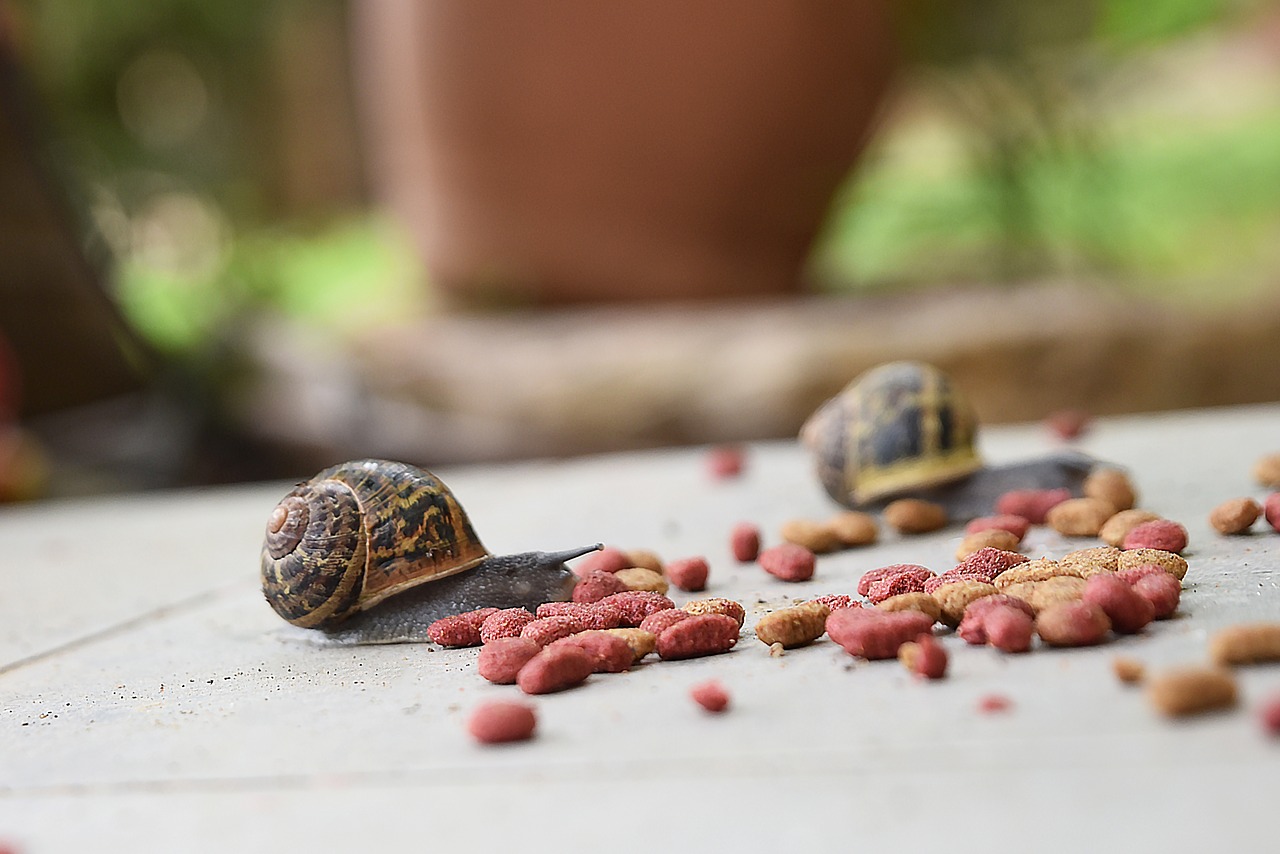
{"x": 931, "y": 658}
{"x": 836, "y": 601}
{"x": 874, "y": 634}
{"x": 635, "y": 605}
{"x": 501, "y": 721}
{"x": 1009, "y": 629}
{"x": 871, "y": 576}
{"x": 1128, "y": 611}
{"x": 608, "y": 559}
{"x": 454, "y": 631}
{"x": 660, "y": 621}
{"x": 597, "y": 585}
{"x": 1016, "y": 525}
{"x": 906, "y": 581}
{"x": 1031, "y": 504}
{"x": 744, "y": 541}
{"x": 501, "y": 659}
{"x": 701, "y": 634}
{"x": 1269, "y": 715}
{"x": 991, "y": 562}
{"x": 725, "y": 461}
{"x": 1074, "y": 623}
{"x": 506, "y": 623}
{"x": 788, "y": 562}
{"x": 610, "y": 653}
{"x": 590, "y": 615}
{"x": 688, "y": 574}
{"x": 1157, "y": 534}
{"x": 544, "y": 630}
{"x": 1068, "y": 424}
{"x": 993, "y": 703}
{"x": 555, "y": 668}
{"x": 1162, "y": 590}
{"x": 711, "y": 695}
{"x": 973, "y": 626}
{"x": 1271, "y": 510}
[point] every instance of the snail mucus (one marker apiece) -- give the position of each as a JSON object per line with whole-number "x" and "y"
{"x": 903, "y": 429}
{"x": 373, "y": 551}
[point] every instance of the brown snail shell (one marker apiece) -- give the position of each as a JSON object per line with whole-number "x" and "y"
{"x": 369, "y": 532}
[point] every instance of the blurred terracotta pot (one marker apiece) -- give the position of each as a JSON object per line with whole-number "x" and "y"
{"x": 552, "y": 151}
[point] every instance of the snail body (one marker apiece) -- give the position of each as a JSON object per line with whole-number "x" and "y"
{"x": 373, "y": 551}
{"x": 903, "y": 429}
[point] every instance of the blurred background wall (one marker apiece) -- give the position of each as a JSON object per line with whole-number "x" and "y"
{"x": 243, "y": 239}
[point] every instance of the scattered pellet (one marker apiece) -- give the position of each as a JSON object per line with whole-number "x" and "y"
{"x": 814, "y": 536}
{"x": 1112, "y": 486}
{"x": 704, "y": 634}
{"x": 1162, "y": 590}
{"x": 641, "y": 642}
{"x": 1266, "y": 471}
{"x": 555, "y": 668}
{"x": 1271, "y": 510}
{"x": 1247, "y": 643}
{"x": 710, "y": 695}
{"x": 1072, "y": 624}
{"x": 924, "y": 657}
{"x": 1235, "y": 516}
{"x": 872, "y": 576}
{"x": 954, "y": 598}
{"x": 635, "y": 605}
{"x": 639, "y": 578}
{"x": 922, "y": 602}
{"x": 795, "y": 626}
{"x": 1191, "y": 690}
{"x": 1031, "y": 504}
{"x": 1130, "y": 671}
{"x": 1068, "y": 424}
{"x": 646, "y": 559}
{"x": 1015, "y": 525}
{"x": 1008, "y": 629}
{"x": 995, "y": 538}
{"x": 836, "y": 601}
{"x": 727, "y": 607}
{"x": 500, "y": 721}
{"x": 501, "y": 659}
{"x": 607, "y": 559}
{"x": 993, "y": 703}
{"x": 596, "y": 585}
{"x": 725, "y": 462}
{"x": 689, "y": 574}
{"x": 1161, "y": 534}
{"x": 611, "y": 654}
{"x": 1128, "y": 611}
{"x": 1054, "y": 591}
{"x": 454, "y": 631}
{"x": 544, "y": 630}
{"x": 1040, "y": 569}
{"x": 1269, "y": 716}
{"x": 662, "y": 620}
{"x": 875, "y": 634}
{"x": 744, "y": 542}
{"x": 915, "y": 516}
{"x": 1171, "y": 563}
{"x": 590, "y": 615}
{"x": 788, "y": 562}
{"x": 506, "y": 623}
{"x": 1089, "y": 562}
{"x": 897, "y": 583}
{"x": 1080, "y": 517}
{"x": 854, "y": 528}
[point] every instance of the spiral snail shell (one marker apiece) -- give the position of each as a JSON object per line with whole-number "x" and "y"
{"x": 905, "y": 429}
{"x": 373, "y": 551}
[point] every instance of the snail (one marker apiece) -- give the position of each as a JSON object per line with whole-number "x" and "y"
{"x": 903, "y": 429}
{"x": 373, "y": 551}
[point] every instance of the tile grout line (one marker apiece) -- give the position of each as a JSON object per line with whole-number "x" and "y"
{"x": 188, "y": 604}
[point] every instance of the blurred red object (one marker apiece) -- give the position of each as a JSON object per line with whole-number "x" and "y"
{"x": 1068, "y": 424}
{"x": 725, "y": 461}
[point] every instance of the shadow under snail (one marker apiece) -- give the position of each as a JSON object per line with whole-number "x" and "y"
{"x": 903, "y": 429}
{"x": 373, "y": 551}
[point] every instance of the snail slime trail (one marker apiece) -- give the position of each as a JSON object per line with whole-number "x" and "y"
{"x": 374, "y": 551}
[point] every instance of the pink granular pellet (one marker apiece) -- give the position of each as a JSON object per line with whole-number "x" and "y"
{"x": 479, "y": 615}
{"x": 660, "y": 621}
{"x": 608, "y": 559}
{"x": 1271, "y": 510}
{"x": 992, "y": 703}
{"x": 991, "y": 561}
{"x": 711, "y": 695}
{"x": 701, "y": 634}
{"x": 973, "y": 628}
{"x": 931, "y": 658}
{"x": 1008, "y": 629}
{"x": 454, "y": 631}
{"x": 590, "y": 615}
{"x": 875, "y": 634}
{"x": 502, "y": 721}
{"x": 1129, "y": 611}
{"x": 635, "y": 605}
{"x": 725, "y": 461}
{"x": 610, "y": 653}
{"x": 871, "y": 576}
{"x": 1016, "y": 525}
{"x": 1163, "y": 591}
{"x": 688, "y": 574}
{"x": 1133, "y": 573}
{"x": 1269, "y": 715}
{"x": 744, "y": 541}
{"x": 1157, "y": 534}
{"x": 544, "y": 630}
{"x": 506, "y": 623}
{"x": 1031, "y": 504}
{"x": 836, "y": 601}
{"x": 597, "y": 585}
{"x": 906, "y": 581}
{"x": 555, "y": 668}
{"x": 501, "y": 659}
{"x": 788, "y": 562}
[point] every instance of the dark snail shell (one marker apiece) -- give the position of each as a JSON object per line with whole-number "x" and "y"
{"x": 899, "y": 427}
{"x": 357, "y": 533}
